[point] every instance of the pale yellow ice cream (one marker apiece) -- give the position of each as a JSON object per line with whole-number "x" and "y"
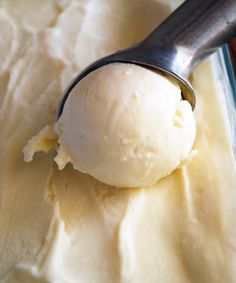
{"x": 67, "y": 227}
{"x": 126, "y": 126}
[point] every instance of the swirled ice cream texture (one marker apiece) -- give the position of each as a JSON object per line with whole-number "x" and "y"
{"x": 64, "y": 226}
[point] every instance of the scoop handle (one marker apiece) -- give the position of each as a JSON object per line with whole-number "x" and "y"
{"x": 194, "y": 31}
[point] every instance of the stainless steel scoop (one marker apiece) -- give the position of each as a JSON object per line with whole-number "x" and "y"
{"x": 190, "y": 34}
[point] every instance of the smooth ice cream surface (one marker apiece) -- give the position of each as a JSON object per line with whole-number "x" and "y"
{"x": 126, "y": 125}
{"x": 63, "y": 226}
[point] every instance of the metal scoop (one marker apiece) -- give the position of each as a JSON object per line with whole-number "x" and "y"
{"x": 190, "y": 34}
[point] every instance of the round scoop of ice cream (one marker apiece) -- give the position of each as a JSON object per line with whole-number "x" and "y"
{"x": 126, "y": 126}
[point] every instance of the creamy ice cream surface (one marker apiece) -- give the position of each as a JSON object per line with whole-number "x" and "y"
{"x": 64, "y": 226}
{"x": 126, "y": 125}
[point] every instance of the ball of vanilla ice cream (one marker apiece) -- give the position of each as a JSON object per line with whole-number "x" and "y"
{"x": 126, "y": 126}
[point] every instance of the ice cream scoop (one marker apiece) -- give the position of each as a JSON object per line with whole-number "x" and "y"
{"x": 190, "y": 34}
{"x": 123, "y": 119}
{"x": 125, "y": 125}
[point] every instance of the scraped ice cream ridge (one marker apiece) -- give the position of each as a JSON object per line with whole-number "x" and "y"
{"x": 64, "y": 225}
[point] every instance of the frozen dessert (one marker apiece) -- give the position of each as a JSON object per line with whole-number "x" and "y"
{"x": 66, "y": 226}
{"x": 126, "y": 126}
